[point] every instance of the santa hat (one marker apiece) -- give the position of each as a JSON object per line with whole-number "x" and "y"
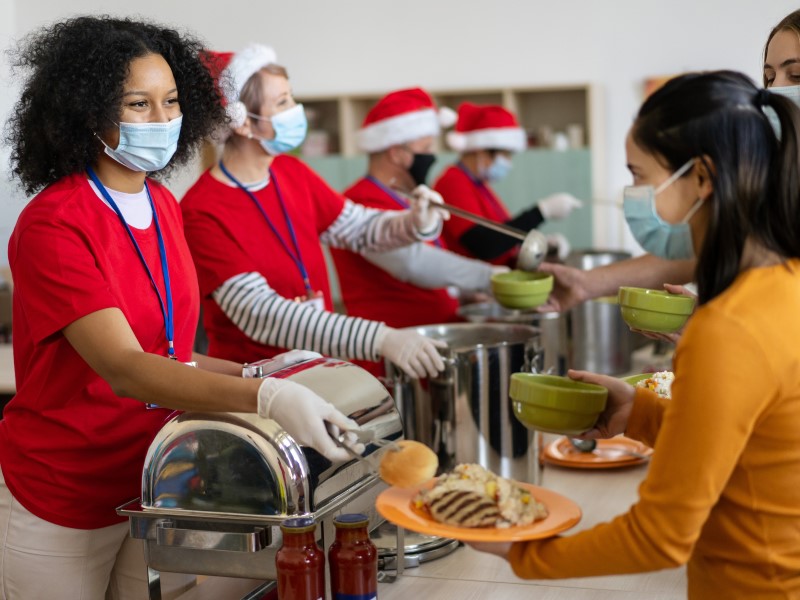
{"x": 233, "y": 70}
{"x": 486, "y": 127}
{"x": 400, "y": 117}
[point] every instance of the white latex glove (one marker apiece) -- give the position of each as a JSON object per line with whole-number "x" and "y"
{"x": 416, "y": 354}
{"x": 302, "y": 413}
{"x": 427, "y": 220}
{"x": 558, "y": 206}
{"x": 560, "y": 243}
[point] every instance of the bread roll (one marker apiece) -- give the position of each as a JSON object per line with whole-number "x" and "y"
{"x": 412, "y": 465}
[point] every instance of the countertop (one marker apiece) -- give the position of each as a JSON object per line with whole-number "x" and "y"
{"x": 466, "y": 574}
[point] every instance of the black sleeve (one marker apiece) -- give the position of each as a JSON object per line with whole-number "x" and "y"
{"x": 488, "y": 244}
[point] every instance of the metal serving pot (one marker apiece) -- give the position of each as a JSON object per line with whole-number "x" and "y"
{"x": 464, "y": 413}
{"x": 552, "y": 328}
{"x": 601, "y": 342}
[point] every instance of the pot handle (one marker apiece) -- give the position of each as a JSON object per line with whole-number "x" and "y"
{"x": 169, "y": 535}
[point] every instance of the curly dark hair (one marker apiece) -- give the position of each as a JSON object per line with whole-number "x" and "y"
{"x": 74, "y": 89}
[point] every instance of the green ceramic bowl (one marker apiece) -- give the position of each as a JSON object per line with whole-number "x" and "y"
{"x": 521, "y": 289}
{"x": 523, "y": 301}
{"x": 556, "y": 404}
{"x": 654, "y": 310}
{"x": 634, "y": 379}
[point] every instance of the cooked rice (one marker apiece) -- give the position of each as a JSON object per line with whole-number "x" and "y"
{"x": 516, "y": 506}
{"x": 660, "y": 383}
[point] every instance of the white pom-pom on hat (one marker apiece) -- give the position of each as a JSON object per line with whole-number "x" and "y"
{"x": 237, "y": 113}
{"x": 447, "y": 117}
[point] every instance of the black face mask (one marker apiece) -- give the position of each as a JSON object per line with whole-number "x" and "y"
{"x": 420, "y": 167}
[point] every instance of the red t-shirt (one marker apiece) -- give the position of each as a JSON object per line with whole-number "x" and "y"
{"x": 228, "y": 235}
{"x": 371, "y": 293}
{"x": 71, "y": 450}
{"x": 459, "y": 189}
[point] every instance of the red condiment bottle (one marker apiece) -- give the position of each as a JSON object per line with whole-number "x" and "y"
{"x": 353, "y": 560}
{"x": 300, "y": 562}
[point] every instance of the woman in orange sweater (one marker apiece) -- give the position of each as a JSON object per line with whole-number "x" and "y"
{"x": 725, "y": 499}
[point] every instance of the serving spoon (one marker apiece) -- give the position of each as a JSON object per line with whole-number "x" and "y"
{"x": 534, "y": 243}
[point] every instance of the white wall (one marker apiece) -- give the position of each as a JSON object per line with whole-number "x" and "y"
{"x": 378, "y": 45}
{"x": 11, "y": 199}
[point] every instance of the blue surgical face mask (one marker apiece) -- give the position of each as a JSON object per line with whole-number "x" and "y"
{"x": 500, "y": 168}
{"x": 146, "y": 147}
{"x": 290, "y": 128}
{"x": 792, "y": 92}
{"x": 656, "y": 236}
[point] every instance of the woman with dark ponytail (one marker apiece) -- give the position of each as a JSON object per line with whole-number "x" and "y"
{"x": 723, "y": 490}
{"x": 781, "y": 76}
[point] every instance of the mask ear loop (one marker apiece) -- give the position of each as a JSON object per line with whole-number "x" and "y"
{"x": 675, "y": 176}
{"x": 258, "y": 117}
{"x": 695, "y": 207}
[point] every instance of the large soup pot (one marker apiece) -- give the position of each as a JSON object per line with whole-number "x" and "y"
{"x": 601, "y": 342}
{"x": 465, "y": 413}
{"x": 552, "y": 328}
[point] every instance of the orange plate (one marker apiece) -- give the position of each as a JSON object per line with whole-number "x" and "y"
{"x": 397, "y": 505}
{"x": 609, "y": 454}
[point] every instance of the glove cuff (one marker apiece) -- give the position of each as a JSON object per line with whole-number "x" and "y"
{"x": 267, "y": 391}
{"x": 380, "y": 337}
{"x": 432, "y": 234}
{"x": 542, "y": 206}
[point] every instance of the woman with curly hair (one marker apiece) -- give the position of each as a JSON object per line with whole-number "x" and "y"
{"x": 105, "y": 295}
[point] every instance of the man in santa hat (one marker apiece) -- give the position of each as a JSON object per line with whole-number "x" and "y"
{"x": 486, "y": 136}
{"x": 398, "y": 133}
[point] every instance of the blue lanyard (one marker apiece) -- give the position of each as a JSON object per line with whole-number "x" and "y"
{"x": 296, "y": 256}
{"x": 397, "y": 198}
{"x": 166, "y": 312}
{"x": 499, "y": 211}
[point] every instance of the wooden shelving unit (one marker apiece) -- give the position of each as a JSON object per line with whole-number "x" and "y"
{"x": 542, "y": 111}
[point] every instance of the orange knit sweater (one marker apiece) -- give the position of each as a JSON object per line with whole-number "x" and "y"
{"x": 723, "y": 488}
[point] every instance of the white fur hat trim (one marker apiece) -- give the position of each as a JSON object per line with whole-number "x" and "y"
{"x": 512, "y": 139}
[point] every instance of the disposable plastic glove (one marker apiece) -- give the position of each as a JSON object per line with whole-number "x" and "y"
{"x": 558, "y": 206}
{"x": 415, "y": 354}
{"x": 302, "y": 413}
{"x": 427, "y": 220}
{"x": 560, "y": 243}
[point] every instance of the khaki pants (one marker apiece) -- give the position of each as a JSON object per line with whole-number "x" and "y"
{"x": 41, "y": 560}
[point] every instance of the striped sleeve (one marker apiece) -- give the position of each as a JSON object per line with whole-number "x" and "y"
{"x": 359, "y": 229}
{"x": 269, "y": 318}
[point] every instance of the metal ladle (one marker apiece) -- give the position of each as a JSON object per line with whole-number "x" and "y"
{"x": 534, "y": 244}
{"x": 583, "y": 445}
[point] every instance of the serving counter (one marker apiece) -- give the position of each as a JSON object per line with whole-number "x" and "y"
{"x": 601, "y": 494}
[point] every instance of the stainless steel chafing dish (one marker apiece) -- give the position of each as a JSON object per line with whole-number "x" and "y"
{"x": 216, "y": 486}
